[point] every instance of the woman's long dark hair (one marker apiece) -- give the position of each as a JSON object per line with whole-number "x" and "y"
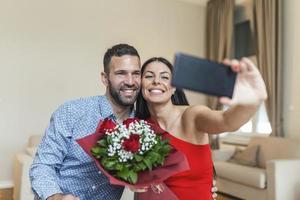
{"x": 178, "y": 98}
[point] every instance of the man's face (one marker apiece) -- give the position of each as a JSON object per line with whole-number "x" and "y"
{"x": 124, "y": 79}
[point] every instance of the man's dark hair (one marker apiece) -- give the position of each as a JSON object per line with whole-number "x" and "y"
{"x": 118, "y": 50}
{"x": 178, "y": 98}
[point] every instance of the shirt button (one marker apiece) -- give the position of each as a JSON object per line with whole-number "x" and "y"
{"x": 99, "y": 172}
{"x": 93, "y": 187}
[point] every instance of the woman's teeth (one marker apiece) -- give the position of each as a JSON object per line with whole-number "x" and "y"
{"x": 156, "y": 91}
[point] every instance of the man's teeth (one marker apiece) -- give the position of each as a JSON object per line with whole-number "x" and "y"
{"x": 128, "y": 91}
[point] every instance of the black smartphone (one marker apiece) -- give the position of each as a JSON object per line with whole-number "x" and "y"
{"x": 202, "y": 75}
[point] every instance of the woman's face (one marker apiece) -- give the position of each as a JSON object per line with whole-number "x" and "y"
{"x": 156, "y": 83}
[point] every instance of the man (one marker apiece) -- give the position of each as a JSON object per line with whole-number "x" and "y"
{"x": 61, "y": 170}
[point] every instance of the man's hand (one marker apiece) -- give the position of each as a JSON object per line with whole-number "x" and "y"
{"x": 62, "y": 197}
{"x": 249, "y": 88}
{"x": 144, "y": 189}
{"x": 158, "y": 188}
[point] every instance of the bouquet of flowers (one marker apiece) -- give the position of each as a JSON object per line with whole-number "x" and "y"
{"x": 135, "y": 153}
{"x": 130, "y": 148}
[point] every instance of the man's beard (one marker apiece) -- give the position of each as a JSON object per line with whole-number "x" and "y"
{"x": 121, "y": 100}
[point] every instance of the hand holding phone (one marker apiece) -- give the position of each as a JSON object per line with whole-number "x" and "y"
{"x": 237, "y": 82}
{"x": 250, "y": 88}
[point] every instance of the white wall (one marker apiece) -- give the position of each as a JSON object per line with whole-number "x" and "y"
{"x": 51, "y": 51}
{"x": 291, "y": 64}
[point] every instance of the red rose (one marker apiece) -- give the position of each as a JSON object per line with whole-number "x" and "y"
{"x": 132, "y": 144}
{"x": 107, "y": 124}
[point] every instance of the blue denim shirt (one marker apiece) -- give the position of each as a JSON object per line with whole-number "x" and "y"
{"x": 60, "y": 165}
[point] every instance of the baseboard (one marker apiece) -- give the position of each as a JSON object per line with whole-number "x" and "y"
{"x": 5, "y": 184}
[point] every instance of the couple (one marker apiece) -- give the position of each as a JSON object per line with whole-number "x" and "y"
{"x": 62, "y": 171}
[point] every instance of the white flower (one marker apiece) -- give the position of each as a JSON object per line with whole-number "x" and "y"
{"x": 117, "y": 136}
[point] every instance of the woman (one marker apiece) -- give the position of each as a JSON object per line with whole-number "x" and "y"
{"x": 189, "y": 126}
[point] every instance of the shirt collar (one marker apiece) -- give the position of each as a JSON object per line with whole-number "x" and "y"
{"x": 105, "y": 107}
{"x": 107, "y": 111}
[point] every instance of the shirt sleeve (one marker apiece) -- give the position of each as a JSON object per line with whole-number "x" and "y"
{"x": 50, "y": 154}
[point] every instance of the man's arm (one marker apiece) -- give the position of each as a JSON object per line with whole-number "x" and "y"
{"x": 50, "y": 155}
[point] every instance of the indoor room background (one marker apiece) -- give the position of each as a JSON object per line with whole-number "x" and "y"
{"x": 51, "y": 51}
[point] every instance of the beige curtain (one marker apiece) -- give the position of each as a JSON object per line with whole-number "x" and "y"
{"x": 267, "y": 15}
{"x": 219, "y": 36}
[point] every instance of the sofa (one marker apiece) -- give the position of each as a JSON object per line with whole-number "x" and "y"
{"x": 22, "y": 189}
{"x": 275, "y": 177}
{"x": 23, "y": 160}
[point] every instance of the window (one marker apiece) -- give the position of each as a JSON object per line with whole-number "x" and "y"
{"x": 259, "y": 124}
{"x": 244, "y": 47}
{"x": 243, "y": 40}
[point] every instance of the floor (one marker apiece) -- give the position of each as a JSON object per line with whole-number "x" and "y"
{"x": 226, "y": 197}
{"x": 6, "y": 194}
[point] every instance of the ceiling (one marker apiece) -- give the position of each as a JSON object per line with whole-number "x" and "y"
{"x": 203, "y": 2}
{"x": 199, "y": 2}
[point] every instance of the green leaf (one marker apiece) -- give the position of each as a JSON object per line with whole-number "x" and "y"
{"x": 108, "y": 164}
{"x": 166, "y": 141}
{"x": 102, "y": 142}
{"x": 138, "y": 158}
{"x": 119, "y": 167}
{"x": 166, "y": 149}
{"x": 96, "y": 150}
{"x": 109, "y": 140}
{"x": 103, "y": 151}
{"x": 154, "y": 156}
{"x": 128, "y": 165}
{"x": 148, "y": 163}
{"x": 142, "y": 166}
{"x": 124, "y": 174}
{"x": 159, "y": 160}
{"x": 133, "y": 176}
{"x": 162, "y": 160}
